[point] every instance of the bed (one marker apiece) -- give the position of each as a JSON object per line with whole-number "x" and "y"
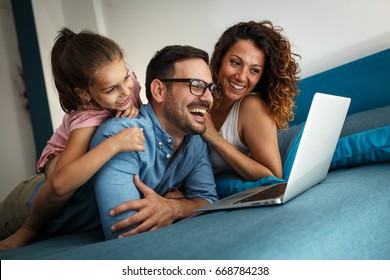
{"x": 347, "y": 216}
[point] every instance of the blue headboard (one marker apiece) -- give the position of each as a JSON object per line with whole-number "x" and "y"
{"x": 366, "y": 81}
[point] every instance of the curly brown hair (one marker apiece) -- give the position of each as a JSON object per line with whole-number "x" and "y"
{"x": 278, "y": 85}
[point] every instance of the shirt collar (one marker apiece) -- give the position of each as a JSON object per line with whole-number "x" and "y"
{"x": 160, "y": 134}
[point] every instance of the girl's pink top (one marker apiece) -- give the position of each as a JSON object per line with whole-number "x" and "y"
{"x": 89, "y": 116}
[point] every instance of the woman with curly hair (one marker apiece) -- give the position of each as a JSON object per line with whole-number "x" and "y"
{"x": 258, "y": 73}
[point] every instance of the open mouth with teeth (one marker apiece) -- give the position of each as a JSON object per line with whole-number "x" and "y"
{"x": 236, "y": 86}
{"x": 123, "y": 102}
{"x": 199, "y": 112}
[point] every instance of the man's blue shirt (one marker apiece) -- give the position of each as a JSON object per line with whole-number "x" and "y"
{"x": 113, "y": 184}
{"x": 189, "y": 168}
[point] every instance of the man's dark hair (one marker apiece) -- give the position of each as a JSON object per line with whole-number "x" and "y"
{"x": 162, "y": 65}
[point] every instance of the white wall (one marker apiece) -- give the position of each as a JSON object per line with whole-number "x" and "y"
{"x": 50, "y": 16}
{"x": 326, "y": 33}
{"x": 17, "y": 149}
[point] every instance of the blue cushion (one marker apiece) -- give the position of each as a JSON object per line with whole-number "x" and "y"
{"x": 365, "y": 80}
{"x": 365, "y": 138}
{"x": 229, "y": 184}
{"x": 288, "y": 141}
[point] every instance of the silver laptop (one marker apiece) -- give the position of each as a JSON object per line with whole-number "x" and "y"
{"x": 312, "y": 160}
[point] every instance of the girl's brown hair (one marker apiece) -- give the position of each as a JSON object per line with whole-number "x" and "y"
{"x": 75, "y": 61}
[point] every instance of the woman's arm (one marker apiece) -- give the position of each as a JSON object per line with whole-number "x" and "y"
{"x": 257, "y": 130}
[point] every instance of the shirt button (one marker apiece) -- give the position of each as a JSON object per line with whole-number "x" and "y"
{"x": 169, "y": 140}
{"x": 168, "y": 155}
{"x": 160, "y": 143}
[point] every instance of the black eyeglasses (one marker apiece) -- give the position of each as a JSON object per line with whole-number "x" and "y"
{"x": 198, "y": 87}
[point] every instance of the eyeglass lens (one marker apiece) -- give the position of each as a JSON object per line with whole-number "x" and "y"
{"x": 198, "y": 87}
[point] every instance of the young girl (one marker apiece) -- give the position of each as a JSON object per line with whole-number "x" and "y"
{"x": 94, "y": 83}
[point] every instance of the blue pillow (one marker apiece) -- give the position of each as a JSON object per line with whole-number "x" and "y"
{"x": 288, "y": 141}
{"x": 365, "y": 138}
{"x": 229, "y": 183}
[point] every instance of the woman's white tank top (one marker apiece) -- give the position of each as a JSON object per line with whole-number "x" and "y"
{"x": 229, "y": 131}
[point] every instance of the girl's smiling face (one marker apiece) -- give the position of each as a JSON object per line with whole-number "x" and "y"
{"x": 113, "y": 86}
{"x": 241, "y": 69}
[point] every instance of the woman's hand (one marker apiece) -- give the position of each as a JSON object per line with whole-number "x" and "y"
{"x": 211, "y": 132}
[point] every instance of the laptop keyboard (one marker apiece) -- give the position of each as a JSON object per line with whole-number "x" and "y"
{"x": 269, "y": 193}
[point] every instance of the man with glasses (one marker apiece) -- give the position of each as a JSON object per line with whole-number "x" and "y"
{"x": 130, "y": 188}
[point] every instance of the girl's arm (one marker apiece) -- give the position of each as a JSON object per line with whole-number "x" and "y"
{"x": 66, "y": 173}
{"x": 76, "y": 166}
{"x": 257, "y": 130}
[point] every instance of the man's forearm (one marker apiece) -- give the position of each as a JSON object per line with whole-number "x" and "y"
{"x": 183, "y": 208}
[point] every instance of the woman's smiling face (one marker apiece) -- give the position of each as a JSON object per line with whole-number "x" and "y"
{"x": 241, "y": 69}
